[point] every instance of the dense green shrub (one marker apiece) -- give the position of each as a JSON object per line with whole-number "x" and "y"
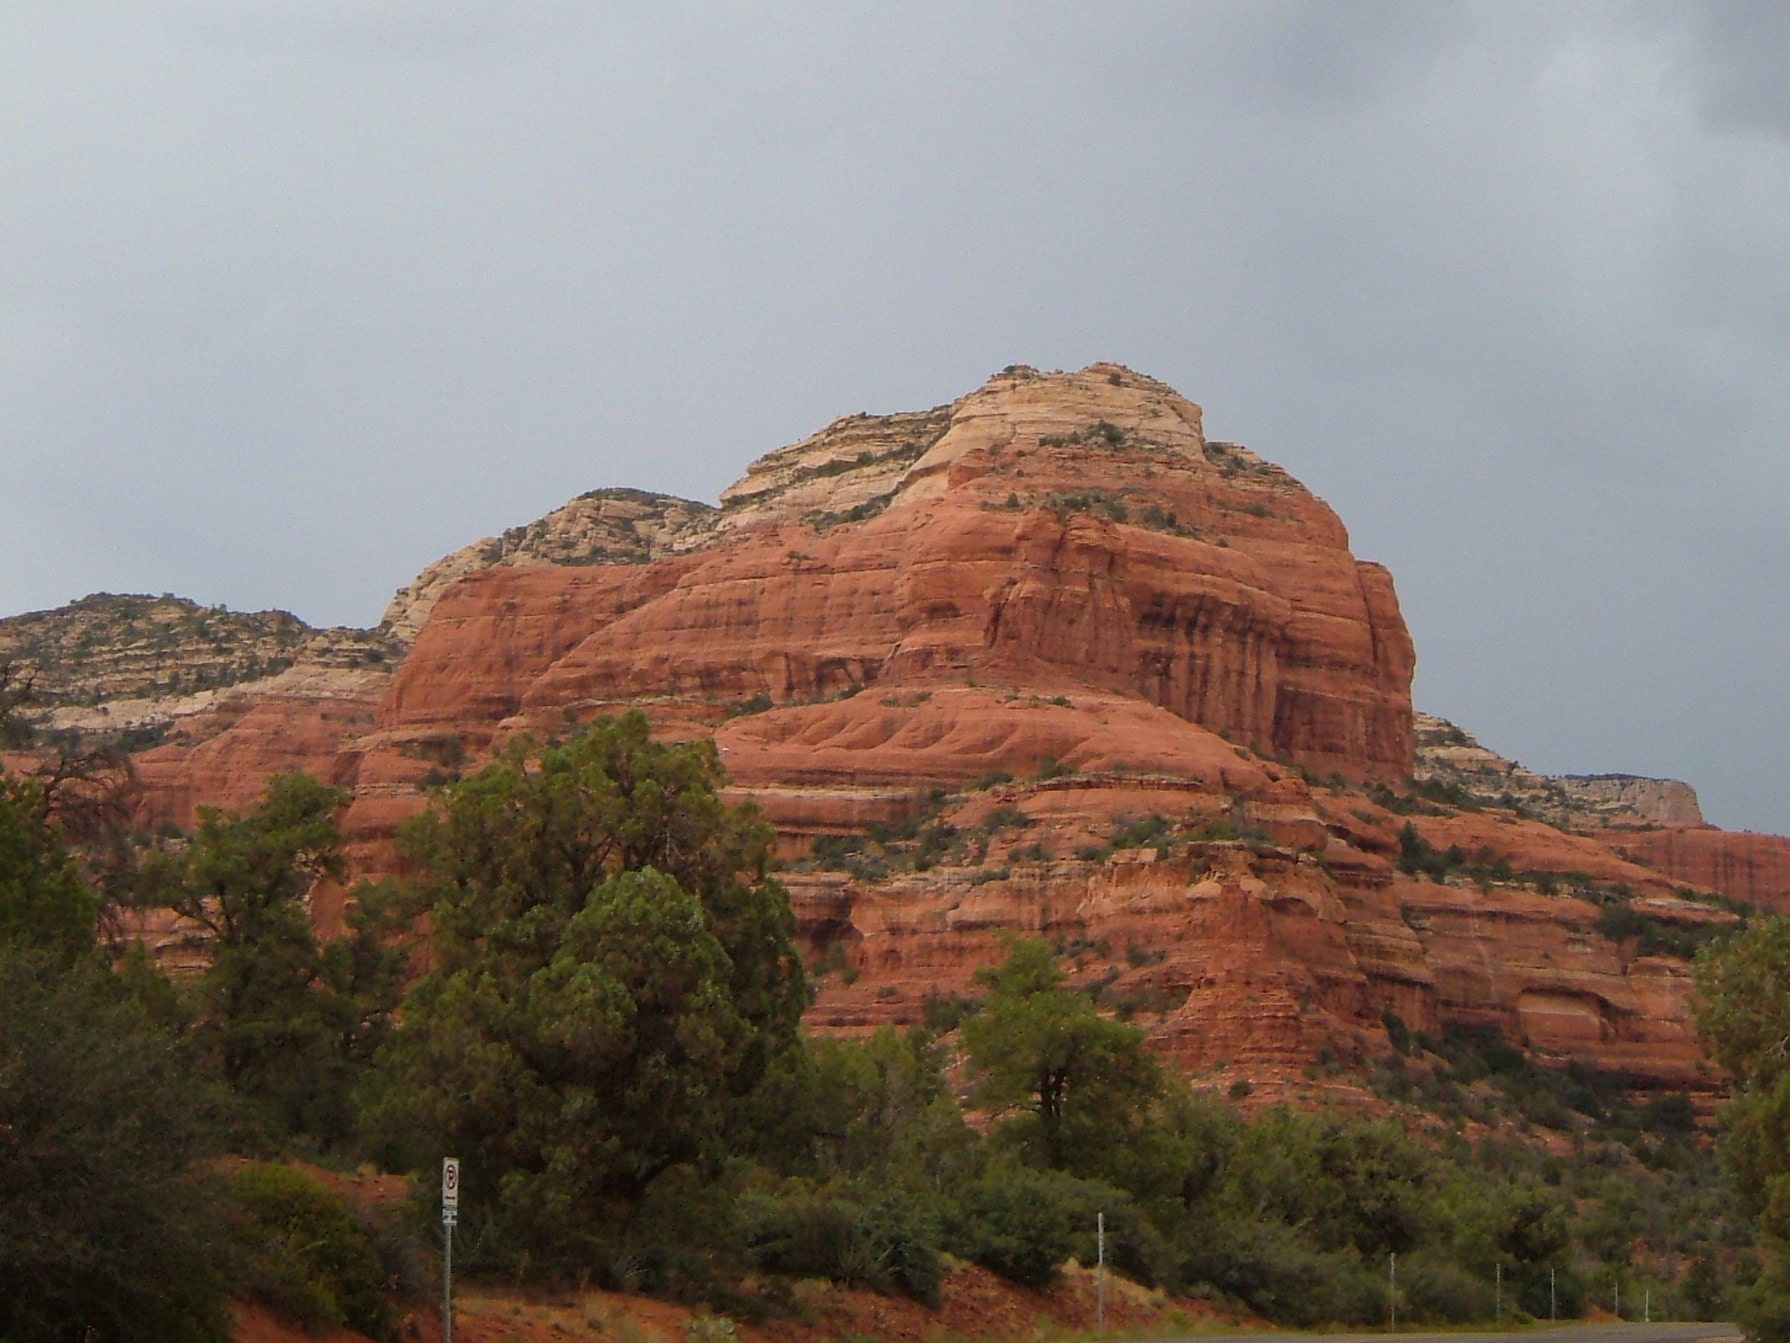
{"x": 1015, "y": 1221}
{"x": 887, "y": 1243}
{"x": 1435, "y": 1290}
{"x": 108, "y": 1225}
{"x": 1275, "y": 1271}
{"x": 308, "y": 1257}
{"x": 44, "y": 904}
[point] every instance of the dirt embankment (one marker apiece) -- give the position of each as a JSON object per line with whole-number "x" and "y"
{"x": 975, "y": 1304}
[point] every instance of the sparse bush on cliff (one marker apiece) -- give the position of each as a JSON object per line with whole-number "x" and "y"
{"x": 1418, "y": 857}
{"x": 1620, "y": 921}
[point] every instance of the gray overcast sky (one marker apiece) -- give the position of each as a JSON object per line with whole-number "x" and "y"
{"x": 297, "y": 295}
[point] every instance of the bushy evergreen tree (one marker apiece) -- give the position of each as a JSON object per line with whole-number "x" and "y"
{"x": 287, "y": 1022}
{"x": 44, "y": 904}
{"x": 1744, "y": 990}
{"x": 107, "y": 1226}
{"x": 613, "y": 980}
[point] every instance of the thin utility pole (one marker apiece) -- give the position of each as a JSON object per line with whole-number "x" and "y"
{"x": 1553, "y": 1301}
{"x": 1498, "y": 1298}
{"x": 1100, "y": 1273}
{"x": 1392, "y": 1289}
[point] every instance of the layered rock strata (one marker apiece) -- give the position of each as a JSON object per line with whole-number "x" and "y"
{"x": 112, "y": 669}
{"x": 1045, "y": 659}
{"x": 1052, "y": 532}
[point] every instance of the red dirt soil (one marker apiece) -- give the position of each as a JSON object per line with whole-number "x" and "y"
{"x": 975, "y": 1305}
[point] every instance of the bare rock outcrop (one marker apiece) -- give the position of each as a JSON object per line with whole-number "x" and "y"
{"x": 136, "y": 670}
{"x": 1451, "y": 758}
{"x": 613, "y": 526}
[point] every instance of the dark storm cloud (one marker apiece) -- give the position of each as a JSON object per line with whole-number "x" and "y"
{"x": 297, "y": 296}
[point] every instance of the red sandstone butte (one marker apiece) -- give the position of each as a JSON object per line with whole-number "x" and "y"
{"x": 1058, "y": 589}
{"x": 1057, "y": 532}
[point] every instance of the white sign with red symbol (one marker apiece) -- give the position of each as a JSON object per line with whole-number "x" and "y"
{"x": 450, "y": 1190}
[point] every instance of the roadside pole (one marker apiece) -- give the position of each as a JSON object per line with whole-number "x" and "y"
{"x": 1498, "y": 1298}
{"x": 1392, "y": 1289}
{"x": 450, "y": 1214}
{"x": 1100, "y": 1272}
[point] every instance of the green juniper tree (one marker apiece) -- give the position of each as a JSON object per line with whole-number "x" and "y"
{"x": 613, "y": 979}
{"x": 287, "y": 1022}
{"x": 1744, "y": 1011}
{"x": 107, "y": 1227}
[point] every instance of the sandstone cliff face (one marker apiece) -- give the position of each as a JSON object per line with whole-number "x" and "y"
{"x": 1743, "y": 865}
{"x": 223, "y": 755}
{"x": 1251, "y": 956}
{"x": 1046, "y": 531}
{"x": 1086, "y": 673}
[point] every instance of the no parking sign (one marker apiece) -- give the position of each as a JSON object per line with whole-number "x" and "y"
{"x": 450, "y": 1190}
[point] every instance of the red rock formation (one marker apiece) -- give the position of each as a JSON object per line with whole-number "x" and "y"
{"x": 238, "y": 747}
{"x": 1062, "y": 531}
{"x": 1059, "y": 580}
{"x": 1254, "y": 957}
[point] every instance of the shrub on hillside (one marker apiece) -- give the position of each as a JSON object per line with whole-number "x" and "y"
{"x": 1276, "y": 1272}
{"x": 888, "y": 1243}
{"x": 308, "y": 1257}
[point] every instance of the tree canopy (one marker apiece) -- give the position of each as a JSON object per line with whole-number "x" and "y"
{"x": 110, "y": 1231}
{"x": 613, "y": 976}
{"x": 44, "y": 903}
{"x": 287, "y": 1022}
{"x": 1744, "y": 1011}
{"x": 1037, "y": 1048}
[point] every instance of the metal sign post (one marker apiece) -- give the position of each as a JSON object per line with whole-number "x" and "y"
{"x": 450, "y": 1214}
